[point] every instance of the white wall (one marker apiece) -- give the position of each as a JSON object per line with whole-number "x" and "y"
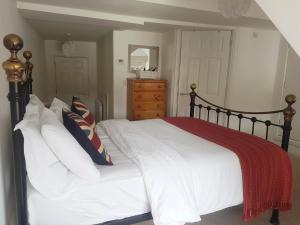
{"x": 121, "y": 40}
{"x": 105, "y": 74}
{"x": 287, "y": 82}
{"x": 253, "y": 72}
{"x": 11, "y": 22}
{"x": 253, "y": 69}
{"x": 82, "y": 49}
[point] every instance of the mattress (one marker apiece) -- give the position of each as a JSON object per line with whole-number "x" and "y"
{"x": 121, "y": 192}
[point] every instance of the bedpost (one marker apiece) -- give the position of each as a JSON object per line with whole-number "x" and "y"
{"x": 288, "y": 114}
{"x": 14, "y": 69}
{"x": 28, "y": 72}
{"x": 193, "y": 98}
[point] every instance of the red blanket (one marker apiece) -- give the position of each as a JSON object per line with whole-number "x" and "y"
{"x": 266, "y": 168}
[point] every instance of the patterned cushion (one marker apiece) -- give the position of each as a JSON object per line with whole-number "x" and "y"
{"x": 86, "y": 137}
{"x": 81, "y": 109}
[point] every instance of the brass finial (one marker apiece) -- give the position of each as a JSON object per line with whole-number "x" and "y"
{"x": 29, "y": 66}
{"x": 13, "y": 42}
{"x": 289, "y": 111}
{"x": 193, "y": 87}
{"x": 27, "y": 55}
{"x": 13, "y": 67}
{"x": 290, "y": 99}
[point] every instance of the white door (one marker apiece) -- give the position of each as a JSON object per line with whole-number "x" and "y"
{"x": 72, "y": 78}
{"x": 204, "y": 61}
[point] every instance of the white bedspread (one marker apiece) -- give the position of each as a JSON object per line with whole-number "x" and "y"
{"x": 168, "y": 178}
{"x": 217, "y": 181}
{"x": 118, "y": 194}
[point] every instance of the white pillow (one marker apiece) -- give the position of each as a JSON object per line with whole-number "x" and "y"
{"x": 45, "y": 172}
{"x": 34, "y": 100}
{"x": 56, "y": 106}
{"x": 32, "y": 113}
{"x": 66, "y": 148}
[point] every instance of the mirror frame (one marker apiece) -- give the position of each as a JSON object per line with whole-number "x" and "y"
{"x": 131, "y": 46}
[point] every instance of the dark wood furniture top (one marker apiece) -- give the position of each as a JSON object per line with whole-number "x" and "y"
{"x": 146, "y": 99}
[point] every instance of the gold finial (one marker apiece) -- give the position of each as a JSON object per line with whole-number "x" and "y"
{"x": 290, "y": 99}
{"x": 27, "y": 55}
{"x": 13, "y": 67}
{"x": 29, "y": 66}
{"x": 13, "y": 42}
{"x": 289, "y": 111}
{"x": 193, "y": 86}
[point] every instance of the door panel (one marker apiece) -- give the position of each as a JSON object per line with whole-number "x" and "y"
{"x": 204, "y": 61}
{"x": 72, "y": 78}
{"x": 213, "y": 76}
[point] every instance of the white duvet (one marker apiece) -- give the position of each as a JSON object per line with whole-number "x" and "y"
{"x": 180, "y": 175}
{"x": 168, "y": 178}
{"x": 168, "y": 158}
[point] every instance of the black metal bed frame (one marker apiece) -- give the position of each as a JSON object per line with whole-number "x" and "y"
{"x": 19, "y": 76}
{"x": 287, "y": 112}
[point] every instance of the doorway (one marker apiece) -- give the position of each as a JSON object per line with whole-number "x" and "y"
{"x": 72, "y": 78}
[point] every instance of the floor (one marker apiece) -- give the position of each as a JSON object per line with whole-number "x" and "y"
{"x": 232, "y": 216}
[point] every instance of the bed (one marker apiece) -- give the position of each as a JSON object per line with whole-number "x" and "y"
{"x": 126, "y": 182}
{"x": 221, "y": 185}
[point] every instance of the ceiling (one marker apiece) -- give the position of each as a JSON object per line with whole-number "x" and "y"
{"x": 91, "y": 19}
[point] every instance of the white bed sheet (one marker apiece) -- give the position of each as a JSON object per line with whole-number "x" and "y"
{"x": 121, "y": 192}
{"x": 218, "y": 172}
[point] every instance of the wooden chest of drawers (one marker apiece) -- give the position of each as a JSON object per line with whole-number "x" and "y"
{"x": 146, "y": 99}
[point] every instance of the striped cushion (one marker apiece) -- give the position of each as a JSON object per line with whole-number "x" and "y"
{"x": 87, "y": 137}
{"x": 81, "y": 109}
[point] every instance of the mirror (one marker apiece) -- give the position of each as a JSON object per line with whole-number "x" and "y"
{"x": 145, "y": 58}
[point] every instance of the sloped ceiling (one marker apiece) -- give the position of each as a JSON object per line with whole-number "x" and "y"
{"x": 285, "y": 15}
{"x": 89, "y": 19}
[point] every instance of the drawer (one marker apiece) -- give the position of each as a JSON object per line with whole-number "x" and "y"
{"x": 149, "y": 96}
{"x": 142, "y": 115}
{"x": 155, "y": 86}
{"x": 149, "y": 105}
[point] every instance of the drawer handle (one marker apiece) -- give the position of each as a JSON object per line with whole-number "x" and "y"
{"x": 157, "y": 115}
{"x": 156, "y": 97}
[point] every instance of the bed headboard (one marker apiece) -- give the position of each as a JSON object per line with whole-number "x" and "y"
{"x": 19, "y": 76}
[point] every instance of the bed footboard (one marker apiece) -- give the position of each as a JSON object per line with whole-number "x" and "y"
{"x": 288, "y": 114}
